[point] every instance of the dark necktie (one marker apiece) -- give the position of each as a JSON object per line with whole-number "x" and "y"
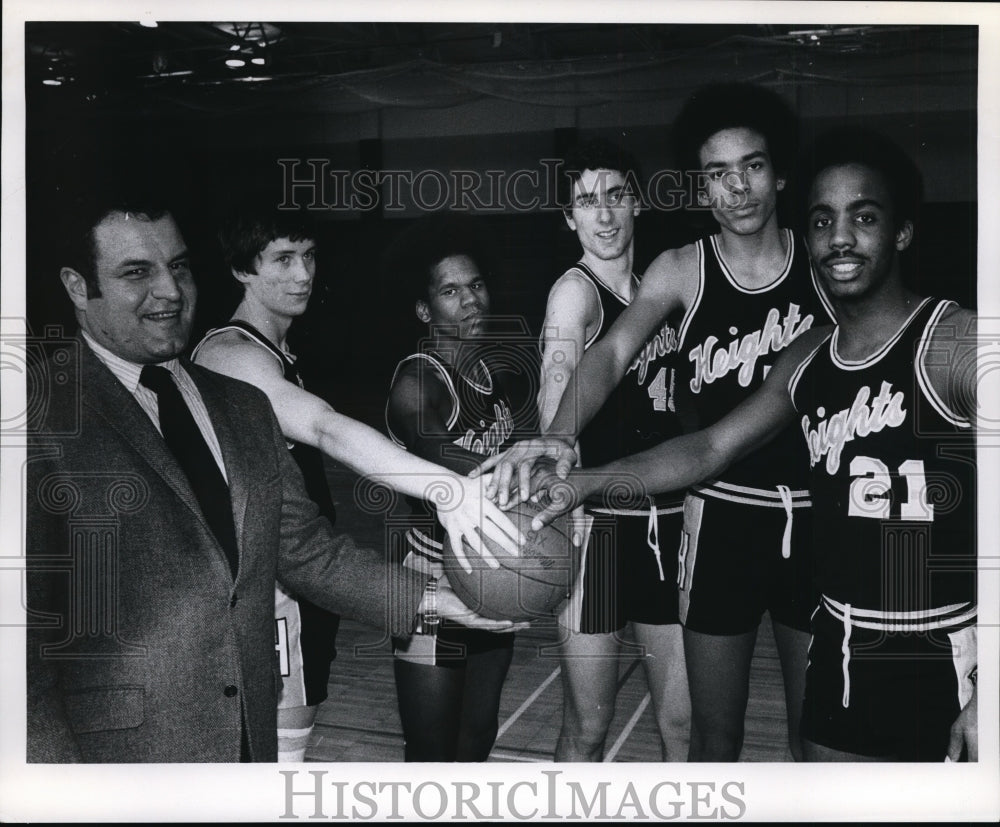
{"x": 192, "y": 453}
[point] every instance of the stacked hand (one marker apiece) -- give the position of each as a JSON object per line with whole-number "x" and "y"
{"x": 467, "y": 513}
{"x": 522, "y": 458}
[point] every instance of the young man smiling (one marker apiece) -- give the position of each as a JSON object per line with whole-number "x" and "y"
{"x": 273, "y": 256}
{"x": 742, "y": 295}
{"x": 886, "y": 406}
{"x": 629, "y": 569}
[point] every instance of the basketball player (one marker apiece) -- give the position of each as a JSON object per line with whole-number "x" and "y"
{"x": 885, "y": 403}
{"x": 629, "y": 563}
{"x": 743, "y": 295}
{"x": 446, "y": 406}
{"x": 274, "y": 257}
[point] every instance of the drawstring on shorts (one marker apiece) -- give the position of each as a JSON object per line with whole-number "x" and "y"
{"x": 786, "y": 539}
{"x": 653, "y": 536}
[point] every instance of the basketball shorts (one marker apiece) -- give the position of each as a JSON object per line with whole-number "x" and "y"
{"x": 628, "y": 571}
{"x": 450, "y": 646}
{"x": 744, "y": 552}
{"x": 305, "y": 638}
{"x": 888, "y": 694}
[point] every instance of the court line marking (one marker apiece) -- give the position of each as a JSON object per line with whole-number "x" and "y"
{"x": 610, "y": 756}
{"x": 517, "y": 713}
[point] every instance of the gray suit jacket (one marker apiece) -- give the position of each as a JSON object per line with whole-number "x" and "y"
{"x": 141, "y": 645}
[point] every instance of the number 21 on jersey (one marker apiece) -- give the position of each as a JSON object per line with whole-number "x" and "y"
{"x": 871, "y": 490}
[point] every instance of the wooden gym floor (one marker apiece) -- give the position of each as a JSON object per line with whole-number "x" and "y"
{"x": 360, "y": 722}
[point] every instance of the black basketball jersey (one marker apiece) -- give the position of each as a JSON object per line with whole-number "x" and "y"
{"x": 730, "y": 337}
{"x": 640, "y": 412}
{"x": 481, "y": 420}
{"x": 892, "y": 477}
{"x": 308, "y": 458}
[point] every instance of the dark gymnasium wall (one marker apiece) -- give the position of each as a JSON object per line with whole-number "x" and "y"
{"x": 358, "y": 324}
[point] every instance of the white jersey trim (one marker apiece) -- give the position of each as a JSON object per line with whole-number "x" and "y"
{"x": 923, "y": 379}
{"x": 877, "y": 356}
{"x": 597, "y": 283}
{"x": 785, "y": 270}
{"x": 690, "y": 311}
{"x": 767, "y": 497}
{"x": 660, "y": 510}
{"x": 448, "y": 383}
{"x": 269, "y": 346}
{"x": 922, "y": 620}
{"x": 821, "y": 293}
{"x": 793, "y": 383}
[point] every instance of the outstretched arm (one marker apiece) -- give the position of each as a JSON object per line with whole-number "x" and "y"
{"x": 306, "y": 418}
{"x": 572, "y": 316}
{"x": 667, "y": 286}
{"x": 963, "y": 374}
{"x": 681, "y": 462}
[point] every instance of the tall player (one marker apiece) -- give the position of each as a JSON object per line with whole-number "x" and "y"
{"x": 273, "y": 256}
{"x": 629, "y": 567}
{"x": 447, "y": 406}
{"x": 885, "y": 404}
{"x": 744, "y": 294}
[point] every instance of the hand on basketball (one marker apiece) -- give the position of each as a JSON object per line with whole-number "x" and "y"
{"x": 557, "y": 495}
{"x": 521, "y": 458}
{"x": 965, "y": 733}
{"x": 450, "y": 606}
{"x": 472, "y": 517}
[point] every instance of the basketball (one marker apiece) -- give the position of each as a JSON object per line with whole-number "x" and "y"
{"x": 525, "y": 587}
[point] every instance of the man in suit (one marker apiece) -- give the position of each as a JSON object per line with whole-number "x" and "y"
{"x": 151, "y": 576}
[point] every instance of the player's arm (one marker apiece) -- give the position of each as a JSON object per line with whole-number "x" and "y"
{"x": 572, "y": 308}
{"x": 960, "y": 371}
{"x": 418, "y": 411}
{"x": 965, "y": 732}
{"x": 957, "y": 369}
{"x": 306, "y": 418}
{"x": 686, "y": 460}
{"x": 572, "y": 315}
{"x": 668, "y": 285}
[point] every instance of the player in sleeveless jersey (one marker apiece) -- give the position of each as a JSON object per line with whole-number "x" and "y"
{"x": 885, "y": 404}
{"x": 629, "y": 564}
{"x": 273, "y": 257}
{"x": 447, "y": 406}
{"x": 743, "y": 295}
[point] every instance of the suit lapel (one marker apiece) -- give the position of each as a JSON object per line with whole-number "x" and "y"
{"x": 111, "y": 400}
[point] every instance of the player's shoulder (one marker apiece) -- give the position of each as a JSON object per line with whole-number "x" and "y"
{"x": 957, "y": 320}
{"x": 572, "y": 281}
{"x": 808, "y": 341}
{"x": 420, "y": 372}
{"x": 239, "y": 391}
{"x": 685, "y": 257}
{"x": 229, "y": 347}
{"x": 572, "y": 289}
{"x": 419, "y": 383}
{"x": 673, "y": 267}
{"x": 951, "y": 327}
